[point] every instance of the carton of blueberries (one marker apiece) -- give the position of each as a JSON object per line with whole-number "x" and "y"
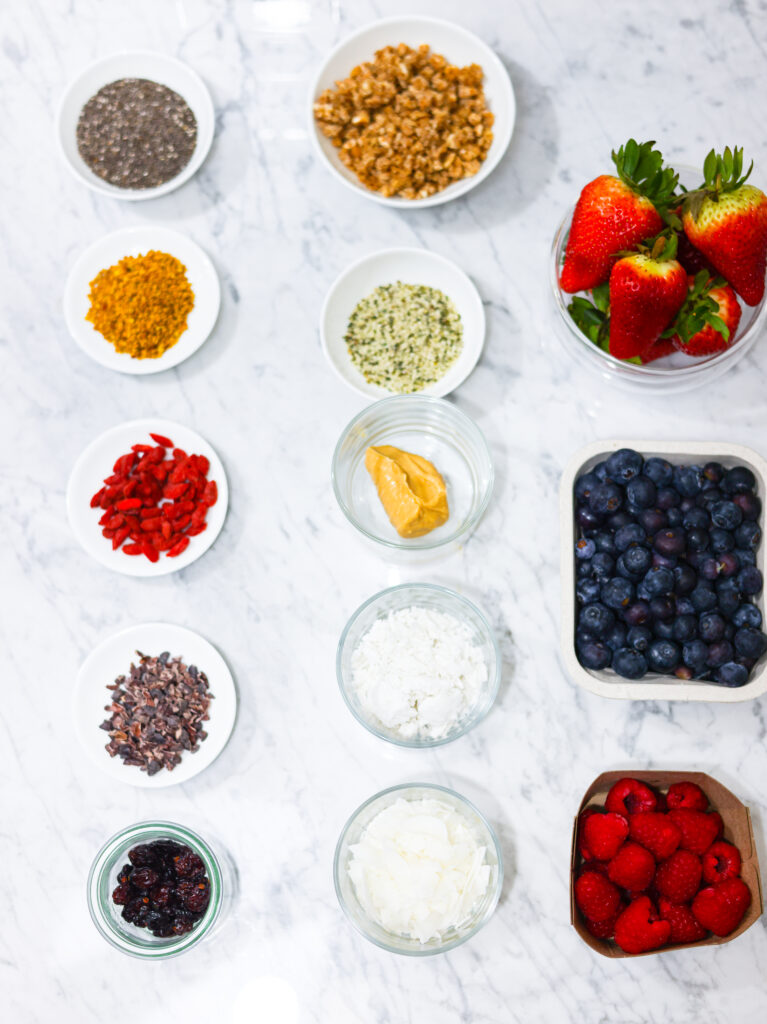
{"x": 663, "y": 565}
{"x": 662, "y": 860}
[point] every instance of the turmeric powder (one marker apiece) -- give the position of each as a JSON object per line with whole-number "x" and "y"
{"x": 141, "y": 304}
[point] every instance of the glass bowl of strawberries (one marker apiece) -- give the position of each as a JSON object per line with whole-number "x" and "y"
{"x": 658, "y": 274}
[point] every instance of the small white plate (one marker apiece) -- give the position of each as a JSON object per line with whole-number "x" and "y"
{"x": 113, "y": 658}
{"x": 95, "y": 464}
{"x": 157, "y": 67}
{"x": 137, "y": 241}
{"x": 460, "y": 47}
{"x": 410, "y": 266}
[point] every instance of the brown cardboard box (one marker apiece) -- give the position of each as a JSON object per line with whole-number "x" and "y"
{"x": 737, "y": 830}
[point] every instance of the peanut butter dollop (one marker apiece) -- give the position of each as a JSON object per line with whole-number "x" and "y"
{"x": 411, "y": 490}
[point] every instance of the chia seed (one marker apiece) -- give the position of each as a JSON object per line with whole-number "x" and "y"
{"x": 136, "y": 134}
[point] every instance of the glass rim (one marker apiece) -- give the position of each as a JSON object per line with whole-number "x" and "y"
{"x": 464, "y": 420}
{"x": 497, "y": 888}
{"x": 483, "y": 708}
{"x": 103, "y": 862}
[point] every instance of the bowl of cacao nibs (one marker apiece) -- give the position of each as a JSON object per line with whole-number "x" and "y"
{"x": 155, "y": 705}
{"x": 155, "y": 890}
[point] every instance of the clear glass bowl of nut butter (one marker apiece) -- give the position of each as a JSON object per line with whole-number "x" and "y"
{"x": 413, "y": 474}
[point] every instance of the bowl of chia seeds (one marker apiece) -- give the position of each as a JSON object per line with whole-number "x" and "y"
{"x": 403, "y": 321}
{"x": 135, "y": 125}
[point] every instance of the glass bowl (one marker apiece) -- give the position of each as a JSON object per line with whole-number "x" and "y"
{"x": 669, "y": 374}
{"x": 421, "y": 595}
{"x": 352, "y": 833}
{"x": 430, "y": 427}
{"x": 102, "y": 880}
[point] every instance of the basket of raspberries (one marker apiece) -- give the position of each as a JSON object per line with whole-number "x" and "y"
{"x": 662, "y": 860}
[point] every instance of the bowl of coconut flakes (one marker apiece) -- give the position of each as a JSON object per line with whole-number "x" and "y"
{"x": 418, "y": 665}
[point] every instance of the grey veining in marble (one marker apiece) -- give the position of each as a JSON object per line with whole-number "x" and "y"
{"x": 277, "y": 588}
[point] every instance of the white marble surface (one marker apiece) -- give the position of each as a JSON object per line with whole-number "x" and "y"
{"x": 275, "y": 591}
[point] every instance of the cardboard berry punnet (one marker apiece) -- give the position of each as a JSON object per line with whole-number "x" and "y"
{"x": 737, "y": 830}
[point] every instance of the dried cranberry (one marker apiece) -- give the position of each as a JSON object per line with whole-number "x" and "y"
{"x": 120, "y": 894}
{"x": 183, "y": 923}
{"x": 188, "y": 864}
{"x": 144, "y": 878}
{"x": 143, "y": 855}
{"x": 135, "y": 912}
{"x": 160, "y": 895}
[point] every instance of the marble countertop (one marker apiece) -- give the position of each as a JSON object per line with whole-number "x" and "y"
{"x": 275, "y": 591}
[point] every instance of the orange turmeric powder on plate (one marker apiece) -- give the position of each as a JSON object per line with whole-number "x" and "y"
{"x": 141, "y": 304}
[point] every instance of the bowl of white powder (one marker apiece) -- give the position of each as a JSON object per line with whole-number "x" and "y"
{"x": 418, "y": 870}
{"x": 418, "y": 665}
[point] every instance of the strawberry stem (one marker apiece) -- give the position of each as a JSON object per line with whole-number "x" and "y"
{"x": 640, "y": 166}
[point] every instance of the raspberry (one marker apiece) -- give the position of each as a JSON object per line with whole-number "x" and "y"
{"x": 596, "y": 896}
{"x": 604, "y": 834}
{"x": 684, "y": 926}
{"x": 721, "y": 907}
{"x": 656, "y": 833}
{"x": 639, "y": 929}
{"x": 629, "y": 796}
{"x": 699, "y": 830}
{"x": 720, "y": 862}
{"x": 632, "y": 867}
{"x": 678, "y": 878}
{"x": 686, "y": 794}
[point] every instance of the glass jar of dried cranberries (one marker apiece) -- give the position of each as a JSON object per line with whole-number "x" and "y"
{"x": 157, "y": 889}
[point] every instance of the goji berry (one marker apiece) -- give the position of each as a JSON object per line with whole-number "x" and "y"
{"x": 179, "y": 453}
{"x": 176, "y": 550}
{"x": 210, "y": 495}
{"x": 194, "y": 530}
{"x": 132, "y": 549}
{"x": 149, "y": 525}
{"x": 162, "y": 440}
{"x": 96, "y": 499}
{"x": 150, "y": 551}
{"x": 141, "y": 448}
{"x": 106, "y": 532}
{"x": 119, "y": 537}
{"x": 128, "y": 503}
{"x": 166, "y": 529}
{"x": 116, "y": 522}
{"x": 150, "y": 512}
{"x": 182, "y": 523}
{"x": 203, "y": 464}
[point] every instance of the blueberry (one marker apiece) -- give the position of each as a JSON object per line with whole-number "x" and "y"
{"x": 711, "y": 627}
{"x": 663, "y": 656}
{"x": 634, "y": 563}
{"x": 606, "y": 498}
{"x": 659, "y": 471}
{"x": 616, "y": 637}
{"x": 663, "y": 629}
{"x": 703, "y": 596}
{"x": 684, "y": 606}
{"x": 697, "y": 540}
{"x": 708, "y": 567}
{"x": 695, "y": 656}
{"x": 696, "y": 518}
{"x": 747, "y": 615}
{"x": 709, "y": 497}
{"x": 728, "y": 597}
{"x": 653, "y": 519}
{"x": 719, "y": 653}
{"x": 728, "y": 564}
{"x": 685, "y": 579}
{"x": 596, "y": 620}
{"x": 750, "y": 642}
{"x": 624, "y": 465}
{"x": 605, "y": 541}
{"x": 642, "y": 592}
{"x": 637, "y": 613}
{"x": 664, "y": 561}
{"x": 662, "y": 608}
{"x": 659, "y": 581}
{"x": 713, "y": 474}
{"x": 600, "y": 471}
{"x": 726, "y": 514}
{"x": 618, "y": 520}
{"x": 747, "y": 535}
{"x": 687, "y": 503}
{"x": 584, "y": 485}
{"x": 629, "y": 663}
{"x": 586, "y": 519}
{"x": 602, "y": 565}
{"x": 749, "y": 505}
{"x": 594, "y": 654}
{"x": 674, "y": 517}
{"x": 587, "y": 591}
{"x": 685, "y": 628}
{"x": 721, "y": 540}
{"x": 639, "y": 638}
{"x": 750, "y": 581}
{"x": 667, "y": 497}
{"x": 688, "y": 480}
{"x": 628, "y": 535}
{"x": 672, "y": 541}
{"x": 738, "y": 479}
{"x": 731, "y": 674}
{"x": 617, "y": 593}
{"x": 745, "y": 556}
{"x": 585, "y": 548}
{"x": 640, "y": 492}
{"x": 729, "y": 631}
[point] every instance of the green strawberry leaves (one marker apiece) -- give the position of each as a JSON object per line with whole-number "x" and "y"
{"x": 640, "y": 166}
{"x": 699, "y": 310}
{"x": 721, "y": 173}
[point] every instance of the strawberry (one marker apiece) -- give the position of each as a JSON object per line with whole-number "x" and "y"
{"x": 678, "y": 878}
{"x": 604, "y": 929}
{"x": 684, "y": 925}
{"x": 604, "y": 834}
{"x": 615, "y": 213}
{"x": 686, "y": 794}
{"x": 596, "y": 897}
{"x": 630, "y": 796}
{"x": 639, "y": 929}
{"x": 720, "y": 862}
{"x": 699, "y": 830}
{"x": 692, "y": 259}
{"x": 655, "y": 832}
{"x": 632, "y": 867}
{"x": 721, "y": 907}
{"x": 647, "y": 290}
{"x": 709, "y": 318}
{"x": 727, "y": 221}
{"x": 662, "y": 347}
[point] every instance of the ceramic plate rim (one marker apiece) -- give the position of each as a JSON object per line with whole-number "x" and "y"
{"x": 113, "y": 766}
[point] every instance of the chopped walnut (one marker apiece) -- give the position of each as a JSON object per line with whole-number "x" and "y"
{"x": 407, "y": 123}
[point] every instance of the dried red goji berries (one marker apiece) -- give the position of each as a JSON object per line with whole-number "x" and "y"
{"x": 154, "y": 500}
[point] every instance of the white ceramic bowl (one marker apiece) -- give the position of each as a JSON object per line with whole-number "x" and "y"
{"x": 460, "y": 47}
{"x": 137, "y": 241}
{"x": 112, "y": 658}
{"x": 95, "y": 464}
{"x": 157, "y": 67}
{"x": 652, "y": 686}
{"x": 410, "y": 266}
